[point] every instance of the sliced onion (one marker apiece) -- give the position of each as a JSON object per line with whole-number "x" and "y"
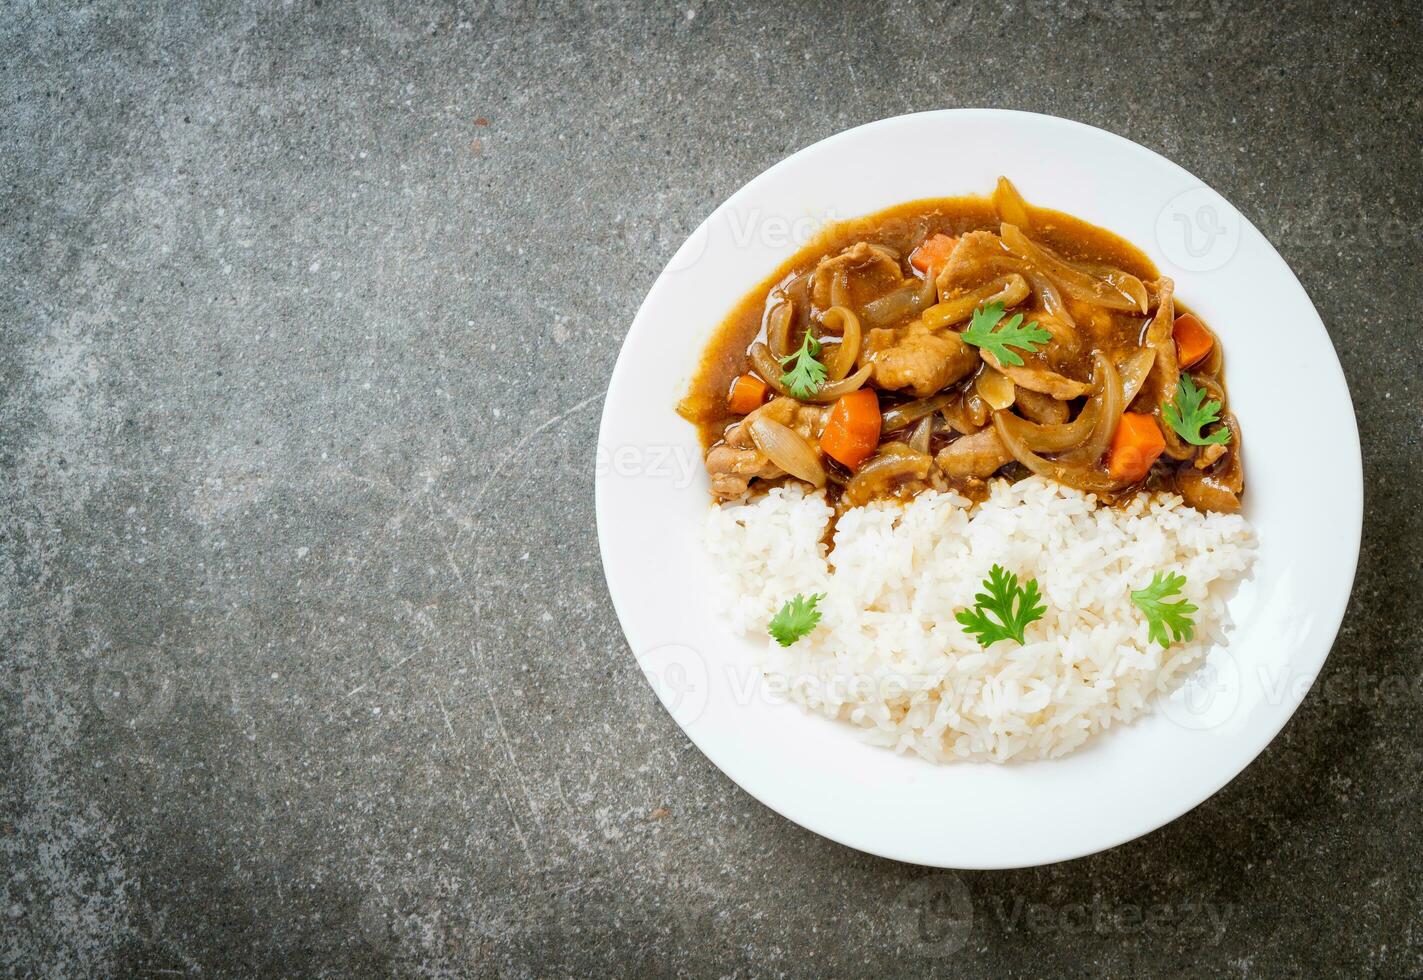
{"x": 1128, "y": 285}
{"x": 1158, "y": 336}
{"x": 1070, "y": 435}
{"x": 894, "y": 461}
{"x": 1165, "y": 372}
{"x": 920, "y": 435}
{"x": 844, "y": 355}
{"x": 1109, "y": 388}
{"x": 840, "y": 288}
{"x": 1054, "y": 438}
{"x": 1229, "y": 470}
{"x": 764, "y": 363}
{"x": 770, "y": 371}
{"x": 831, "y": 392}
{"x": 995, "y": 389}
{"x": 1213, "y": 388}
{"x": 1041, "y": 408}
{"x": 1215, "y": 360}
{"x": 1046, "y": 295}
{"x": 910, "y": 412}
{"x": 1115, "y": 290}
{"x": 976, "y": 409}
{"x": 901, "y": 304}
{"x": 778, "y": 328}
{"x": 1134, "y": 372}
{"x": 1009, "y": 204}
{"x": 1010, "y": 290}
{"x": 1086, "y": 478}
{"x": 956, "y": 414}
{"x": 788, "y": 449}
{"x": 797, "y": 291}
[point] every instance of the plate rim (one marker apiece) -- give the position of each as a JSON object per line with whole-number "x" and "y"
{"x": 1350, "y": 522}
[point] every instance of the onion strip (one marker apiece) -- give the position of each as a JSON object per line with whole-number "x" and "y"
{"x": 840, "y": 288}
{"x": 1056, "y": 438}
{"x": 778, "y": 328}
{"x": 894, "y": 460}
{"x": 1010, "y": 290}
{"x": 843, "y": 355}
{"x": 1116, "y": 290}
{"x": 995, "y": 389}
{"x": 901, "y": 304}
{"x": 770, "y": 371}
{"x": 899, "y": 416}
{"x": 1135, "y": 370}
{"x": 1085, "y": 478}
{"x": 788, "y": 449}
{"x": 1165, "y": 370}
{"x": 1046, "y": 295}
{"x": 1009, "y": 204}
{"x": 920, "y": 435}
{"x": 1109, "y": 391}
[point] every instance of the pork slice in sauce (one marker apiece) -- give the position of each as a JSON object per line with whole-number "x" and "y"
{"x": 917, "y": 358}
{"x": 978, "y": 455}
{"x": 1041, "y": 380}
{"x": 735, "y": 461}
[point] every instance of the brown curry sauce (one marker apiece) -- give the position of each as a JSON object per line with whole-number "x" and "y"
{"x": 902, "y": 228}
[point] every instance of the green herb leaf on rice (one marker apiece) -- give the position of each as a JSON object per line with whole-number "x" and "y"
{"x": 1013, "y": 606}
{"x": 1162, "y": 615}
{"x": 798, "y": 616}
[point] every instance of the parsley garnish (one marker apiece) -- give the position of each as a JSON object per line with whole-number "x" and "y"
{"x": 1015, "y": 608}
{"x": 808, "y": 374}
{"x": 1161, "y": 614}
{"x": 796, "y": 618}
{"x": 980, "y": 333}
{"x": 1188, "y": 416}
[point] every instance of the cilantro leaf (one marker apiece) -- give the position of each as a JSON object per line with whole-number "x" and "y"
{"x": 1015, "y": 608}
{"x": 796, "y": 618}
{"x": 1187, "y": 415}
{"x": 1161, "y": 614}
{"x": 808, "y": 374}
{"x": 980, "y": 333}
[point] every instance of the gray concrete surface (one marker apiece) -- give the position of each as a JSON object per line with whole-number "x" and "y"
{"x": 308, "y": 664}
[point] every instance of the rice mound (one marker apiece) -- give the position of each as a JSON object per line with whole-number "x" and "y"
{"x": 888, "y": 655}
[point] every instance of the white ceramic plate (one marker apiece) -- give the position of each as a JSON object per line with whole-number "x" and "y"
{"x": 652, "y": 497}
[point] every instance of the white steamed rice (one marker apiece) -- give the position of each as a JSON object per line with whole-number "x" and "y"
{"x": 888, "y": 655}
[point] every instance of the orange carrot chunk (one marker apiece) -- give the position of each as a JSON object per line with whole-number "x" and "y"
{"x": 852, "y": 431}
{"x": 1135, "y": 446}
{"x": 1193, "y": 340}
{"x": 933, "y": 253}
{"x": 747, "y": 394}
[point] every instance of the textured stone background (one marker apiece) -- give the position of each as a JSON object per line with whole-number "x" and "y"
{"x": 308, "y": 663}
